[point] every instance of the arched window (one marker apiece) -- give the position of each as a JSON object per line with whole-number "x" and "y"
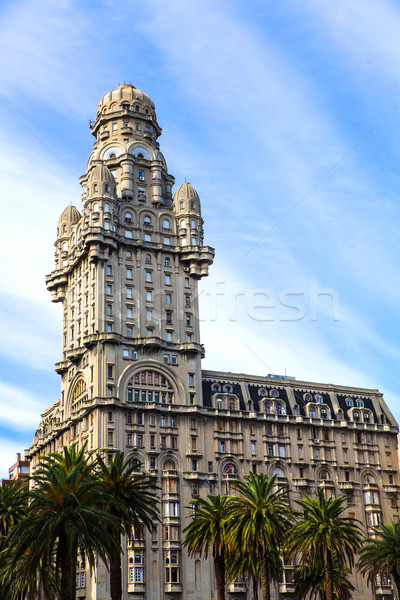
{"x": 295, "y": 410}
{"x": 150, "y": 386}
{"x": 349, "y": 402}
{"x": 169, "y": 465}
{"x": 95, "y": 207}
{"x": 366, "y": 417}
{"x": 267, "y": 408}
{"x": 262, "y": 393}
{"x": 182, "y": 224}
{"x": 368, "y": 478}
{"x": 219, "y": 403}
{"x": 95, "y": 187}
{"x": 319, "y": 399}
{"x": 229, "y": 469}
{"x": 146, "y": 220}
{"x": 215, "y": 387}
{"x": 128, "y": 217}
{"x": 227, "y": 388}
{"x": 167, "y": 261}
{"x": 360, "y": 403}
{"x": 148, "y": 258}
{"x": 106, "y": 207}
{"x": 278, "y": 472}
{"x": 356, "y": 416}
{"x": 165, "y": 224}
{"x": 106, "y": 187}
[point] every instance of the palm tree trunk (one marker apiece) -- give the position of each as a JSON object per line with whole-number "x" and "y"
{"x": 116, "y": 576}
{"x": 219, "y": 566}
{"x": 328, "y": 574}
{"x": 68, "y": 576}
{"x": 264, "y": 572}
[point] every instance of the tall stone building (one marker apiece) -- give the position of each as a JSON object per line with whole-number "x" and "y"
{"x": 126, "y": 273}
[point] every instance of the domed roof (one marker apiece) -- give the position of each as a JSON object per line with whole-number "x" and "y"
{"x": 125, "y": 93}
{"x": 69, "y": 216}
{"x": 186, "y": 192}
{"x": 101, "y": 174}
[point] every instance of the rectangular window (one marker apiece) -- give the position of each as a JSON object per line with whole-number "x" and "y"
{"x": 166, "y": 358}
{"x": 168, "y": 317}
{"x": 253, "y": 448}
{"x": 222, "y": 446}
{"x": 191, "y": 380}
{"x": 110, "y": 370}
{"x": 140, "y": 418}
{"x": 109, "y": 270}
{"x": 193, "y": 443}
{"x": 174, "y": 359}
{"x": 148, "y": 276}
{"x": 194, "y": 465}
{"x": 129, "y": 293}
{"x": 188, "y": 320}
{"x": 270, "y": 449}
{"x": 109, "y": 310}
{"x": 152, "y": 441}
{"x": 129, "y": 273}
{"x": 168, "y": 279}
{"x": 129, "y": 440}
{"x": 125, "y": 353}
{"x": 171, "y": 509}
{"x": 282, "y": 451}
{"x": 109, "y": 290}
{"x": 139, "y": 440}
{"x": 168, "y": 298}
{"x": 186, "y": 282}
{"x": 163, "y": 441}
{"x": 129, "y": 313}
{"x": 129, "y": 417}
{"x": 110, "y": 438}
{"x": 148, "y": 296}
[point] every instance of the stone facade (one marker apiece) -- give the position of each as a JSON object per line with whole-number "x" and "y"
{"x": 126, "y": 273}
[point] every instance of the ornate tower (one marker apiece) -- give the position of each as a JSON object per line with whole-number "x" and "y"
{"x": 127, "y": 270}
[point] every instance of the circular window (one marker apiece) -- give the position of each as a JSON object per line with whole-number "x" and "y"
{"x": 308, "y": 397}
{"x": 274, "y": 394}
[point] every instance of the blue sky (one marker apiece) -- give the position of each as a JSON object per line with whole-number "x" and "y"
{"x": 284, "y": 117}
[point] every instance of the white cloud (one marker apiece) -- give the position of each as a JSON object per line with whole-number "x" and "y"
{"x": 20, "y": 410}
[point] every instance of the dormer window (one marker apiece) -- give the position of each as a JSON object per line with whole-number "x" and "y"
{"x": 360, "y": 404}
{"x": 319, "y": 399}
{"x": 349, "y": 402}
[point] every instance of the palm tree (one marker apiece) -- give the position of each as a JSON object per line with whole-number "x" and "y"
{"x": 67, "y": 515}
{"x": 309, "y": 579}
{"x": 322, "y": 535}
{"x": 381, "y": 555}
{"x": 246, "y": 566}
{"x": 12, "y": 508}
{"x": 259, "y": 520}
{"x": 208, "y": 529}
{"x": 133, "y": 504}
